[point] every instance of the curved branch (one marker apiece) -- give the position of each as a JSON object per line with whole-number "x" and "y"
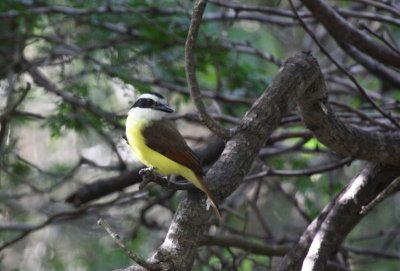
{"x": 343, "y": 31}
{"x": 190, "y": 221}
{"x": 344, "y": 139}
{"x": 346, "y": 213}
{"x": 325, "y": 234}
{"x": 301, "y": 80}
{"x": 190, "y": 67}
{"x": 348, "y": 74}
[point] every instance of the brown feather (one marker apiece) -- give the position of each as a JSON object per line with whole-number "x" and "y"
{"x": 163, "y": 137}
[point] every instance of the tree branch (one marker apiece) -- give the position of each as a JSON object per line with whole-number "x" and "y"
{"x": 41, "y": 80}
{"x": 11, "y": 109}
{"x": 300, "y": 79}
{"x": 346, "y": 213}
{"x": 103, "y": 187}
{"x": 227, "y": 173}
{"x": 342, "y": 69}
{"x": 325, "y": 234}
{"x": 190, "y": 67}
{"x": 245, "y": 244}
{"x": 344, "y": 139}
{"x": 117, "y": 240}
{"x": 343, "y": 31}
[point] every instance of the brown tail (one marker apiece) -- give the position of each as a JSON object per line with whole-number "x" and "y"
{"x": 209, "y": 196}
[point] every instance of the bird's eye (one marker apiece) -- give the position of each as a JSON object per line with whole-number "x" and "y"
{"x": 150, "y": 102}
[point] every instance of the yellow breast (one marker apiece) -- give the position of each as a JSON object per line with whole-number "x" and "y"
{"x": 151, "y": 158}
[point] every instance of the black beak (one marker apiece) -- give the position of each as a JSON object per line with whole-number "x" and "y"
{"x": 163, "y": 107}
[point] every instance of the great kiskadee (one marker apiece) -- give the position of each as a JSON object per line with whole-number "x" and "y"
{"x": 158, "y": 144}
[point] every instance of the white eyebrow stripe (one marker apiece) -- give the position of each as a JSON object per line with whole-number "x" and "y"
{"x": 152, "y": 97}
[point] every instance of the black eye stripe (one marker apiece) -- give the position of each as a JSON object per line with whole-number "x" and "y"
{"x": 145, "y": 103}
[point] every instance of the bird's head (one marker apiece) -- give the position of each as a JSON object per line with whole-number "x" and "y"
{"x": 151, "y": 106}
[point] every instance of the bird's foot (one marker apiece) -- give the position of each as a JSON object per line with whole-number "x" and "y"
{"x": 150, "y": 175}
{"x": 148, "y": 172}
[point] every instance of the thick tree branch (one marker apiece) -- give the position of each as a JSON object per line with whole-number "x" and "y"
{"x": 382, "y": 6}
{"x": 103, "y": 187}
{"x": 294, "y": 258}
{"x": 341, "y": 68}
{"x": 387, "y": 75}
{"x": 190, "y": 221}
{"x": 344, "y": 139}
{"x": 343, "y": 31}
{"x": 326, "y": 233}
{"x": 346, "y": 213}
{"x": 299, "y": 80}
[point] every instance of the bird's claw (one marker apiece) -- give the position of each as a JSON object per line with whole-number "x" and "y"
{"x": 147, "y": 172}
{"x": 148, "y": 175}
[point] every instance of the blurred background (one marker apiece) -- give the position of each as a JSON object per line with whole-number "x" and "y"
{"x": 71, "y": 69}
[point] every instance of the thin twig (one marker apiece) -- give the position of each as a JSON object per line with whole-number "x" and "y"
{"x": 190, "y": 67}
{"x": 372, "y": 253}
{"x": 381, "y": 5}
{"x": 61, "y": 216}
{"x": 48, "y": 221}
{"x": 102, "y": 222}
{"x": 342, "y": 69}
{"x": 299, "y": 172}
{"x": 244, "y": 243}
{"x": 381, "y": 196}
{"x": 361, "y": 114}
{"x": 42, "y": 81}
{"x": 12, "y": 108}
{"x": 380, "y": 37}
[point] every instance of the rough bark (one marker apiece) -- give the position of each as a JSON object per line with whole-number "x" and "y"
{"x": 326, "y": 233}
{"x": 300, "y": 80}
{"x": 344, "y": 139}
{"x": 178, "y": 250}
{"x": 343, "y": 31}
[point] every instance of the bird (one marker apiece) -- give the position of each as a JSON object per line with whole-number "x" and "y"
{"x": 159, "y": 145}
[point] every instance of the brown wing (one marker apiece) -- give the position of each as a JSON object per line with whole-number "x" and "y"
{"x": 163, "y": 137}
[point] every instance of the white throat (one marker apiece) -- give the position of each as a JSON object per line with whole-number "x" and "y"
{"x": 137, "y": 113}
